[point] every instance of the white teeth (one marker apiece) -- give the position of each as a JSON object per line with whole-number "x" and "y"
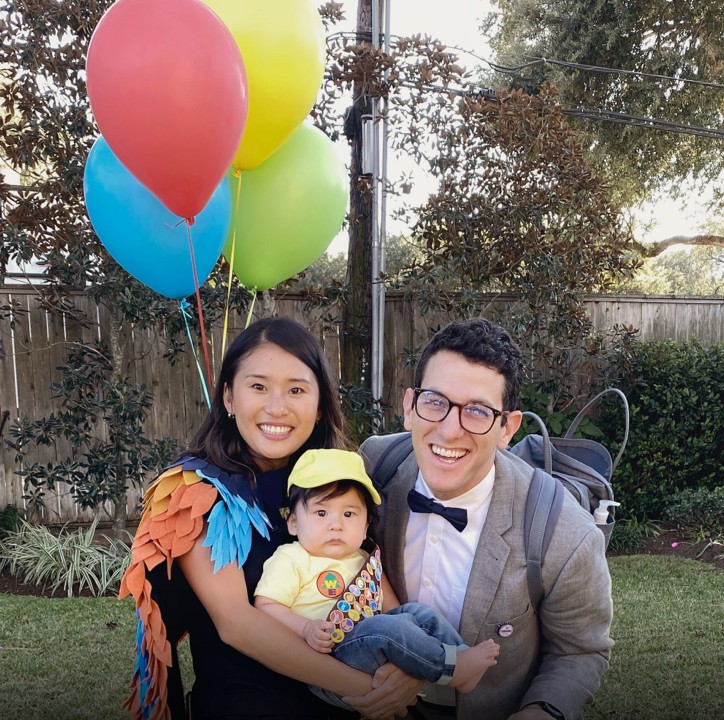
{"x": 444, "y": 452}
{"x": 275, "y": 429}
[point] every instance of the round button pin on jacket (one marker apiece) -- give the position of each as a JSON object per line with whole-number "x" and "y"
{"x": 505, "y": 630}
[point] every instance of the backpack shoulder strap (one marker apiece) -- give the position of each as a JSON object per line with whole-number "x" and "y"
{"x": 393, "y": 456}
{"x": 542, "y": 508}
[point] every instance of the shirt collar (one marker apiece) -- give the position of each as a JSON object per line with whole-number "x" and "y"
{"x": 469, "y": 500}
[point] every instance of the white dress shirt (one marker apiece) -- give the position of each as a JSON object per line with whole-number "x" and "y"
{"x": 438, "y": 559}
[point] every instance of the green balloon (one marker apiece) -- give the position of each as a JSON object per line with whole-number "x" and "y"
{"x": 289, "y": 210}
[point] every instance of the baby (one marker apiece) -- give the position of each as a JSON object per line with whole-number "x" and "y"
{"x": 330, "y": 591}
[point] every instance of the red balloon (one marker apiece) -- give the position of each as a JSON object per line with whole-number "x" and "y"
{"x": 168, "y": 89}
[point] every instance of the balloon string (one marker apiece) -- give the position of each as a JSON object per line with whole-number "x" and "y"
{"x": 251, "y": 308}
{"x": 201, "y": 312}
{"x": 237, "y": 175}
{"x": 184, "y": 305}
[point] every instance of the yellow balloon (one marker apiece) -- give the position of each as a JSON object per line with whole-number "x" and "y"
{"x": 282, "y": 44}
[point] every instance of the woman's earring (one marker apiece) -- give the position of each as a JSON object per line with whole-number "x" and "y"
{"x": 232, "y": 416}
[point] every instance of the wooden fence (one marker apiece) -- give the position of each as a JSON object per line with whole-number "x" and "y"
{"x": 35, "y": 345}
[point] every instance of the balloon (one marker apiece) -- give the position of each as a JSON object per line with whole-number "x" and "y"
{"x": 167, "y": 87}
{"x": 289, "y": 210}
{"x": 283, "y": 46}
{"x": 144, "y": 237}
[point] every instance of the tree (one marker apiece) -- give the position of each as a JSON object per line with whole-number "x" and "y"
{"x": 675, "y": 41}
{"x": 46, "y": 135}
{"x": 517, "y": 207}
{"x": 689, "y": 271}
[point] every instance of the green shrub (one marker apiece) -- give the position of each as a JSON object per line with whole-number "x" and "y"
{"x": 699, "y": 508}
{"x": 9, "y": 520}
{"x": 629, "y": 533}
{"x": 676, "y": 440}
{"x": 70, "y": 561}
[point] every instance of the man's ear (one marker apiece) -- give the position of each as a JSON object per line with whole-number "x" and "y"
{"x": 407, "y": 408}
{"x": 513, "y": 420}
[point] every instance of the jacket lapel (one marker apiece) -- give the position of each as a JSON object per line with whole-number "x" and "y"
{"x": 490, "y": 556}
{"x": 394, "y": 524}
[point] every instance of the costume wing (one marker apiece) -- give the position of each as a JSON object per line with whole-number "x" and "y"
{"x": 173, "y": 518}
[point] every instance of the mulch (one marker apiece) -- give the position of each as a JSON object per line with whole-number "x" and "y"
{"x": 670, "y": 542}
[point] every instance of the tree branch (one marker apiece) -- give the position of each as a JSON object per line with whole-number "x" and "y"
{"x": 650, "y": 250}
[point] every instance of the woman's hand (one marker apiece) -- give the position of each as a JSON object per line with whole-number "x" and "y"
{"x": 318, "y": 634}
{"x": 393, "y": 690}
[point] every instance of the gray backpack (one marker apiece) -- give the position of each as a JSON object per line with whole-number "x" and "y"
{"x": 581, "y": 466}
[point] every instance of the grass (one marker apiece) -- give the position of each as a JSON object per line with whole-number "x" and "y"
{"x": 71, "y": 658}
{"x": 668, "y": 661}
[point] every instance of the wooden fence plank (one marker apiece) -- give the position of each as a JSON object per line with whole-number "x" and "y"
{"x": 8, "y": 405}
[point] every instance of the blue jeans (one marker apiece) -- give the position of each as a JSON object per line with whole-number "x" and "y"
{"x": 417, "y": 639}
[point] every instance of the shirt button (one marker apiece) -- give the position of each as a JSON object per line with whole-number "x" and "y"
{"x": 427, "y": 582}
{"x": 434, "y": 539}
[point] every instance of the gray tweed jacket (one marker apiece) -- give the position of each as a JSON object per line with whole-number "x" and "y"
{"x": 556, "y": 655}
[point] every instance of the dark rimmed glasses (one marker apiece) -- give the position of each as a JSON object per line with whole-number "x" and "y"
{"x": 476, "y": 418}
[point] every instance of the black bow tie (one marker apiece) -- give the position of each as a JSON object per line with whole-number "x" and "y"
{"x": 457, "y": 517}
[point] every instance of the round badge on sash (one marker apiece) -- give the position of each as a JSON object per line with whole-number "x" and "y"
{"x": 360, "y": 599}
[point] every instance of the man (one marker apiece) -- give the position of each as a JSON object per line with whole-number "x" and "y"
{"x": 462, "y": 415}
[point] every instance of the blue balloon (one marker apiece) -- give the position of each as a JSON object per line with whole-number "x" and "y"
{"x": 145, "y": 238}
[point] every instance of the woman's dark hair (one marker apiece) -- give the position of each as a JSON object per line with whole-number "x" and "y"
{"x": 218, "y": 438}
{"x": 332, "y": 490}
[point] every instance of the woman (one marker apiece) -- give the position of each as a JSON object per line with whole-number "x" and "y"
{"x": 212, "y": 519}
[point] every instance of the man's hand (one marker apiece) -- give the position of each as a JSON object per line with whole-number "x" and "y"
{"x": 318, "y": 634}
{"x": 393, "y": 691}
{"x": 531, "y": 712}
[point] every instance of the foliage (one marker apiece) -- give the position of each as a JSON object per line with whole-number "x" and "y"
{"x": 526, "y": 225}
{"x": 45, "y": 136}
{"x": 629, "y": 533}
{"x": 362, "y": 415}
{"x": 516, "y": 208}
{"x": 676, "y": 396}
{"x": 103, "y": 421}
{"x": 698, "y": 508}
{"x": 557, "y": 419}
{"x": 9, "y": 520}
{"x": 682, "y": 40}
{"x": 692, "y": 271}
{"x": 625, "y": 538}
{"x": 70, "y": 561}
{"x": 329, "y": 270}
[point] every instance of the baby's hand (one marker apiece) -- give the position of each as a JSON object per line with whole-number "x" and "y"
{"x": 318, "y": 634}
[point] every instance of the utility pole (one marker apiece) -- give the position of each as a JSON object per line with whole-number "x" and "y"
{"x": 362, "y": 344}
{"x": 357, "y": 314}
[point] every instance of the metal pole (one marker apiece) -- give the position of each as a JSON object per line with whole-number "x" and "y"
{"x": 375, "y": 365}
{"x": 383, "y": 219}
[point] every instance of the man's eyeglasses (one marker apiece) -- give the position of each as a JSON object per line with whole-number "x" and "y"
{"x": 476, "y": 418}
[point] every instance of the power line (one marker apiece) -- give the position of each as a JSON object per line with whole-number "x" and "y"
{"x": 599, "y": 114}
{"x": 598, "y": 69}
{"x": 596, "y": 114}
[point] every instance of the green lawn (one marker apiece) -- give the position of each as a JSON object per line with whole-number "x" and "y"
{"x": 71, "y": 659}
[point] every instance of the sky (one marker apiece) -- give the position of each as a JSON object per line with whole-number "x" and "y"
{"x": 456, "y": 23}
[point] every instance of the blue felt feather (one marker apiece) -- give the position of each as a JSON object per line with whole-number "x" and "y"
{"x": 230, "y": 522}
{"x": 143, "y": 670}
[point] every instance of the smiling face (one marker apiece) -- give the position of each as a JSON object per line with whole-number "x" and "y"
{"x": 275, "y": 398}
{"x": 332, "y": 527}
{"x": 451, "y": 459}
